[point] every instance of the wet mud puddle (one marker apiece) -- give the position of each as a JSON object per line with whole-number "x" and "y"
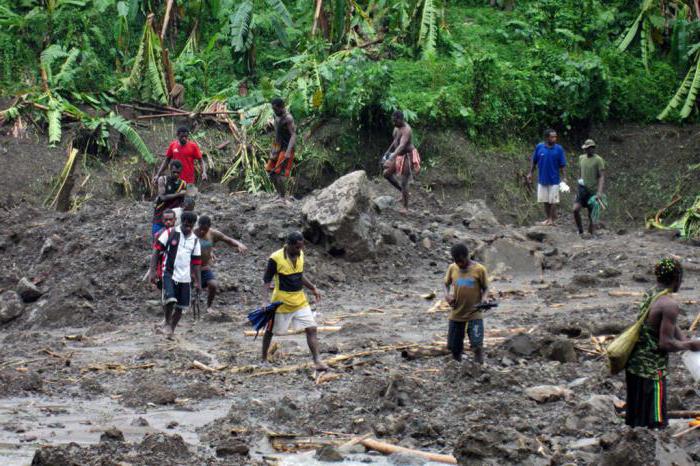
{"x": 28, "y": 423}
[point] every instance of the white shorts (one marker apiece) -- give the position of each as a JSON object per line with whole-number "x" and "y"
{"x": 548, "y": 194}
{"x": 297, "y": 320}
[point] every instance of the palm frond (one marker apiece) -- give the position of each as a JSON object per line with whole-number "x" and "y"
{"x": 693, "y": 89}
{"x": 53, "y": 117}
{"x": 122, "y": 126}
{"x": 281, "y": 11}
{"x": 240, "y": 24}
{"x": 680, "y": 93}
{"x": 427, "y": 35}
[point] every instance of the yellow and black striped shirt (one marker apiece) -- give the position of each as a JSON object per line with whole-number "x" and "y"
{"x": 289, "y": 281}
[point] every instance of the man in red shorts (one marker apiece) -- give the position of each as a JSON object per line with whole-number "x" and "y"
{"x": 402, "y": 159}
{"x": 186, "y": 152}
{"x": 279, "y": 166}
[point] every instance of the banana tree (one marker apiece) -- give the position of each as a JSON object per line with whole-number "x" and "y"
{"x": 244, "y": 23}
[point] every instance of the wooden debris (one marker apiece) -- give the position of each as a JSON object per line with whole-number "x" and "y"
{"x": 429, "y": 296}
{"x": 439, "y": 306}
{"x": 116, "y": 367}
{"x": 74, "y": 337}
{"x": 201, "y": 366}
{"x": 389, "y": 449}
{"x": 251, "y": 333}
{"x": 624, "y": 294}
{"x": 695, "y": 323}
{"x": 582, "y": 296}
{"x": 324, "y": 377}
{"x": 685, "y": 431}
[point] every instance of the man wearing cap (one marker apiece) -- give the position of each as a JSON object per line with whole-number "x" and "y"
{"x": 590, "y": 184}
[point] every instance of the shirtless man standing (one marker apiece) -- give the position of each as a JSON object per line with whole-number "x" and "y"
{"x": 208, "y": 236}
{"x": 402, "y": 158}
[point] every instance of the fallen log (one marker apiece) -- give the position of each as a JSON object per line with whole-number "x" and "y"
{"x": 675, "y": 414}
{"x": 625, "y": 294}
{"x": 201, "y": 366}
{"x": 389, "y": 449}
{"x": 251, "y": 333}
{"x": 685, "y": 431}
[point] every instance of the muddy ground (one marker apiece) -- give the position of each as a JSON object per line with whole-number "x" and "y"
{"x": 84, "y": 380}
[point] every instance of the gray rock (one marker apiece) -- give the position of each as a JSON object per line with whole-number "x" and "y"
{"x": 139, "y": 422}
{"x": 340, "y": 218}
{"x": 330, "y": 454}
{"x": 10, "y": 306}
{"x": 28, "y": 291}
{"x": 383, "y": 203}
{"x": 232, "y": 447}
{"x": 547, "y": 393}
{"x": 426, "y": 243}
{"x": 584, "y": 281}
{"x": 112, "y": 435}
{"x": 522, "y": 345}
{"x": 536, "y": 234}
{"x": 609, "y": 272}
{"x": 562, "y": 350}
{"x": 50, "y": 246}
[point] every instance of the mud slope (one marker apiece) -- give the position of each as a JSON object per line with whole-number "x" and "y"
{"x": 82, "y": 357}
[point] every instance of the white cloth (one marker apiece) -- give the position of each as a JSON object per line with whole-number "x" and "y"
{"x": 548, "y": 194}
{"x": 187, "y": 248}
{"x": 178, "y": 215}
{"x": 297, "y": 320}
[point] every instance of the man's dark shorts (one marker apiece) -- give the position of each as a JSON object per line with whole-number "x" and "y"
{"x": 180, "y": 292}
{"x": 207, "y": 276}
{"x": 584, "y": 195}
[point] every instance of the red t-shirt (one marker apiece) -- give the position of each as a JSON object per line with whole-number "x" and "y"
{"x": 186, "y": 155}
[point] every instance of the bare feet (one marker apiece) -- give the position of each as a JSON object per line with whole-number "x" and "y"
{"x": 321, "y": 367}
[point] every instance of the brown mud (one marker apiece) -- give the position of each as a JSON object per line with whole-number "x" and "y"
{"x": 82, "y": 357}
{"x": 84, "y": 379}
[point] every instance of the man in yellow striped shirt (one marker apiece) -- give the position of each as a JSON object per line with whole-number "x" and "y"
{"x": 285, "y": 276}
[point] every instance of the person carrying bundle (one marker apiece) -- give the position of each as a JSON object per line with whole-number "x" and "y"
{"x": 647, "y": 366}
{"x": 590, "y": 187}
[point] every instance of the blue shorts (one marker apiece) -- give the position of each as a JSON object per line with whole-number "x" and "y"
{"x": 206, "y": 277}
{"x": 179, "y": 291}
{"x": 156, "y": 228}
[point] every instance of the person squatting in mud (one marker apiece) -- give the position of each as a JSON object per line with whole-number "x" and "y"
{"x": 171, "y": 193}
{"x": 180, "y": 251}
{"x": 647, "y": 366}
{"x": 401, "y": 158}
{"x": 285, "y": 276}
{"x": 550, "y": 161}
{"x": 186, "y": 152}
{"x": 279, "y": 165}
{"x": 208, "y": 237}
{"x": 466, "y": 285}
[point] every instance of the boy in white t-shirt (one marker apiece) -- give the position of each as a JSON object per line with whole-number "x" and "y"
{"x": 182, "y": 261}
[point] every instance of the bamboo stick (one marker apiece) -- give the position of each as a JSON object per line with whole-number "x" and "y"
{"x": 685, "y": 431}
{"x": 251, "y": 333}
{"x": 388, "y": 449}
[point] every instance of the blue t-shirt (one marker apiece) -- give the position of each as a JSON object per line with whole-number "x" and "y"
{"x": 548, "y": 161}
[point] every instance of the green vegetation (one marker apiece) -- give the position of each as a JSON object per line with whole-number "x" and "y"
{"x": 484, "y": 67}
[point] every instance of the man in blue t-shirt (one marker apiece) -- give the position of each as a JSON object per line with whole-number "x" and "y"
{"x": 550, "y": 161}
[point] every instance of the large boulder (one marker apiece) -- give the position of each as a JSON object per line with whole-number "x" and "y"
{"x": 10, "y": 306}
{"x": 340, "y": 217}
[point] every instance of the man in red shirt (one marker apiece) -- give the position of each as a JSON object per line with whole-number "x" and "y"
{"x": 186, "y": 152}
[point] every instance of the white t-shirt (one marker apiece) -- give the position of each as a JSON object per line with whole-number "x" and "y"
{"x": 188, "y": 252}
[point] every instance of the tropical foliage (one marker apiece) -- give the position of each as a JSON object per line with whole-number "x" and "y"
{"x": 487, "y": 67}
